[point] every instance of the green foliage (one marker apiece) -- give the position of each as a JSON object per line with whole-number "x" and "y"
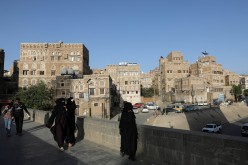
{"x": 245, "y": 92}
{"x": 236, "y": 91}
{"x": 147, "y": 92}
{"x": 37, "y": 96}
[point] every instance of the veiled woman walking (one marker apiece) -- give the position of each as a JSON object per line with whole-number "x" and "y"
{"x": 128, "y": 131}
{"x": 71, "y": 107}
{"x": 60, "y": 127}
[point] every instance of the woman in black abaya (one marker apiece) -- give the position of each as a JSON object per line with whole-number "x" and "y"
{"x": 60, "y": 127}
{"x": 71, "y": 106}
{"x": 128, "y": 131}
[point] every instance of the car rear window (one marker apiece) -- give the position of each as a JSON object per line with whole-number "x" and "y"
{"x": 210, "y": 126}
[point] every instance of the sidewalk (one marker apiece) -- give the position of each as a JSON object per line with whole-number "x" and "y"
{"x": 37, "y": 147}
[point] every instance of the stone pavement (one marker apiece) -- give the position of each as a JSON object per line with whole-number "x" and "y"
{"x": 37, "y": 147}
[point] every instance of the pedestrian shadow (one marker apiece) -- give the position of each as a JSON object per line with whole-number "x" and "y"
{"x": 36, "y": 128}
{"x": 30, "y": 150}
{"x": 79, "y": 133}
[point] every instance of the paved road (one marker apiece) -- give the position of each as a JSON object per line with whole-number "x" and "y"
{"x": 233, "y": 129}
{"x": 141, "y": 118}
{"x": 37, "y": 147}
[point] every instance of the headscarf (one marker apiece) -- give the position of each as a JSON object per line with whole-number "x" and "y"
{"x": 70, "y": 104}
{"x": 127, "y": 113}
{"x": 60, "y": 102}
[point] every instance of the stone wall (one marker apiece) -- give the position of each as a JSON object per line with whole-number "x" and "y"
{"x": 164, "y": 145}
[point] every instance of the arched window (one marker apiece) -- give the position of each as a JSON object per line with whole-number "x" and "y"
{"x": 34, "y": 66}
{"x": 42, "y": 66}
{"x": 25, "y": 82}
{"x": 33, "y": 81}
{"x": 25, "y": 66}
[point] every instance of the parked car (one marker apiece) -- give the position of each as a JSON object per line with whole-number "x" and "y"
{"x": 151, "y": 106}
{"x": 201, "y": 103}
{"x": 244, "y": 129}
{"x": 214, "y": 127}
{"x": 136, "y": 111}
{"x": 168, "y": 109}
{"x": 138, "y": 105}
{"x": 196, "y": 107}
{"x": 145, "y": 109}
{"x": 189, "y": 108}
{"x": 205, "y": 103}
{"x": 179, "y": 108}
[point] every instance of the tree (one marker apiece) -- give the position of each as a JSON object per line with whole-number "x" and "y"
{"x": 236, "y": 91}
{"x": 147, "y": 92}
{"x": 245, "y": 92}
{"x": 37, "y": 96}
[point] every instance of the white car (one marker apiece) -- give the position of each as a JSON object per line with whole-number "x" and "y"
{"x": 213, "y": 128}
{"x": 145, "y": 109}
{"x": 136, "y": 111}
{"x": 151, "y": 106}
{"x": 244, "y": 129}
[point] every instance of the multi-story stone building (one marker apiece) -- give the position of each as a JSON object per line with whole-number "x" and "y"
{"x": 126, "y": 77}
{"x": 207, "y": 82}
{"x": 91, "y": 93}
{"x": 191, "y": 89}
{"x": 14, "y": 71}
{"x": 146, "y": 79}
{"x": 2, "y": 57}
{"x": 207, "y": 67}
{"x": 231, "y": 78}
{"x": 171, "y": 68}
{"x": 244, "y": 81}
{"x": 45, "y": 61}
{"x": 8, "y": 84}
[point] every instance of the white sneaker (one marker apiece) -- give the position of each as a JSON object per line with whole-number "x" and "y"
{"x": 61, "y": 148}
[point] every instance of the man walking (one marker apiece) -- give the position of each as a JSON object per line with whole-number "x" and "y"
{"x": 18, "y": 113}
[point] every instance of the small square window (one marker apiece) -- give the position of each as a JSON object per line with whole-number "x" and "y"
{"x": 102, "y": 91}
{"x": 42, "y": 72}
{"x": 53, "y": 73}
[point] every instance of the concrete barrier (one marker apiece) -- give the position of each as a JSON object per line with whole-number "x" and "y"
{"x": 165, "y": 145}
{"x": 39, "y": 116}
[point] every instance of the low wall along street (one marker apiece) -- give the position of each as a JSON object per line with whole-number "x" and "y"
{"x": 164, "y": 145}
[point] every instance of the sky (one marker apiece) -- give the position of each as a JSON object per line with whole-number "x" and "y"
{"x": 135, "y": 31}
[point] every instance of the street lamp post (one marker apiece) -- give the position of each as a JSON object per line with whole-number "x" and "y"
{"x": 89, "y": 103}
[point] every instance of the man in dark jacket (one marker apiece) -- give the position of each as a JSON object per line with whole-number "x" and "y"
{"x": 18, "y": 113}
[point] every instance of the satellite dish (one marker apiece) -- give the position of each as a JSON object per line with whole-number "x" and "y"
{"x": 63, "y": 71}
{"x": 205, "y": 53}
{"x": 70, "y": 71}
